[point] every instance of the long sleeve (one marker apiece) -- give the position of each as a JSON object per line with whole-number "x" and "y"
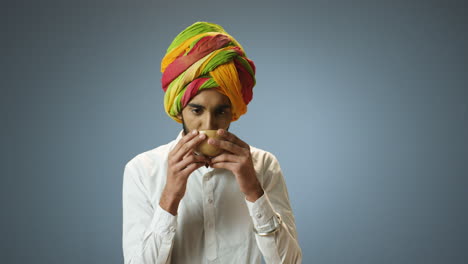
{"x": 148, "y": 230}
{"x": 282, "y": 246}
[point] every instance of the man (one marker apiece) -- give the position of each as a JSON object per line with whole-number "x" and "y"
{"x": 182, "y": 207}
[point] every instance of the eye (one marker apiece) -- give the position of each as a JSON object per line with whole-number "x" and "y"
{"x": 196, "y": 111}
{"x": 223, "y": 112}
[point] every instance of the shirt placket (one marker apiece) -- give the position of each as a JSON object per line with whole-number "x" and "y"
{"x": 209, "y": 217}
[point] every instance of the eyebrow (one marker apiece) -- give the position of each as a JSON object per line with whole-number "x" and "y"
{"x": 223, "y": 106}
{"x": 196, "y": 105}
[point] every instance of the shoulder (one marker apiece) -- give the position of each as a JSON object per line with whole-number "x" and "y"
{"x": 263, "y": 157}
{"x": 267, "y": 168}
{"x": 152, "y": 158}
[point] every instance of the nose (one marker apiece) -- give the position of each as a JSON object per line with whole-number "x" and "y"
{"x": 209, "y": 122}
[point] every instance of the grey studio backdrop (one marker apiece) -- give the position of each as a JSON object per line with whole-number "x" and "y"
{"x": 364, "y": 103}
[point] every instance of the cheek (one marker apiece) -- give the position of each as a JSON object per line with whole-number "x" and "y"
{"x": 192, "y": 121}
{"x": 229, "y": 117}
{"x": 189, "y": 118}
{"x": 226, "y": 121}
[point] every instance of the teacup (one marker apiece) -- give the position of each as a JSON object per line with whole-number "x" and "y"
{"x": 207, "y": 149}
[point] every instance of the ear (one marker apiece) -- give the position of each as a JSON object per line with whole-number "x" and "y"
{"x": 179, "y": 115}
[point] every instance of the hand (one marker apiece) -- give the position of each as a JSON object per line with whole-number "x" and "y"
{"x": 237, "y": 158}
{"x": 181, "y": 163}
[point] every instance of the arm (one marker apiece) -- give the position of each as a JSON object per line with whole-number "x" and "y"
{"x": 148, "y": 231}
{"x": 282, "y": 246}
{"x": 265, "y": 200}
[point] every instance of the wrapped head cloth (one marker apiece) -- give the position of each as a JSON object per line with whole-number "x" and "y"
{"x": 204, "y": 56}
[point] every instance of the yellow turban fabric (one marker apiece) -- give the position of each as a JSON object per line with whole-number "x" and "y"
{"x": 204, "y": 56}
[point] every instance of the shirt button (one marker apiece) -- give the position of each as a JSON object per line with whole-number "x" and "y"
{"x": 210, "y": 201}
{"x": 259, "y": 215}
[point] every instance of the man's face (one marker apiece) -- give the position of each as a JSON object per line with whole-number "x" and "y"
{"x": 207, "y": 110}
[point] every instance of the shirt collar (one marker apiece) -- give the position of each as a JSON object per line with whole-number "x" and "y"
{"x": 179, "y": 136}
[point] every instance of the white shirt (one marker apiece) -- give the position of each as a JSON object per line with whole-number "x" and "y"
{"x": 214, "y": 223}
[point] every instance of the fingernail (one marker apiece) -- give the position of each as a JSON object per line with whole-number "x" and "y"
{"x": 194, "y": 131}
{"x": 202, "y": 136}
{"x": 220, "y": 131}
{"x": 211, "y": 141}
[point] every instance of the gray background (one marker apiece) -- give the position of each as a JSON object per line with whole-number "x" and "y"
{"x": 365, "y": 104}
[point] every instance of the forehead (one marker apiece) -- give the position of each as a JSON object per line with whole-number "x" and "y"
{"x": 210, "y": 97}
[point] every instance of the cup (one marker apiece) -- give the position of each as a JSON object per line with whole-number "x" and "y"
{"x": 207, "y": 149}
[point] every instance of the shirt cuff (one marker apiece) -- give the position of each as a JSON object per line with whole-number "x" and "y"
{"x": 262, "y": 213}
{"x": 164, "y": 223}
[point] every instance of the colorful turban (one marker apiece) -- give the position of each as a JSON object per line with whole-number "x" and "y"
{"x": 204, "y": 56}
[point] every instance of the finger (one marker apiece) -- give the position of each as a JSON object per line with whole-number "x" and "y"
{"x": 192, "y": 153}
{"x": 184, "y": 140}
{"x": 191, "y": 168}
{"x": 225, "y": 157}
{"x": 228, "y": 145}
{"x": 233, "y": 138}
{"x": 189, "y": 146}
{"x": 224, "y": 165}
{"x": 190, "y": 160}
{"x": 188, "y": 154}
